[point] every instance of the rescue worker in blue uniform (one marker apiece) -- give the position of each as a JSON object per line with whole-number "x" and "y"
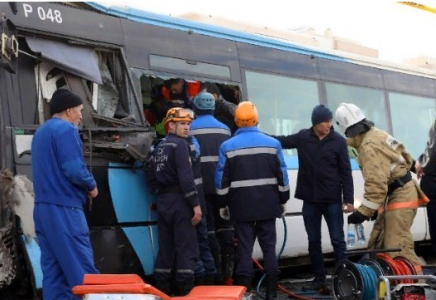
{"x": 210, "y": 134}
{"x": 251, "y": 176}
{"x": 171, "y": 176}
{"x": 205, "y": 272}
{"x": 62, "y": 183}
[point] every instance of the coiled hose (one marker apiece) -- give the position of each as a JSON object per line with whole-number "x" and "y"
{"x": 360, "y": 279}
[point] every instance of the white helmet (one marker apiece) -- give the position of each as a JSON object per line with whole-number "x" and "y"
{"x": 348, "y": 114}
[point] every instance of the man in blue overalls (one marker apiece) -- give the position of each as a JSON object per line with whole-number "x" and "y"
{"x": 171, "y": 176}
{"x": 251, "y": 176}
{"x": 62, "y": 182}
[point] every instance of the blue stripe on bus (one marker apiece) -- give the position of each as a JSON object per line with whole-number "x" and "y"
{"x": 292, "y": 163}
{"x": 209, "y": 30}
{"x": 144, "y": 240}
{"x": 130, "y": 195}
{"x": 34, "y": 255}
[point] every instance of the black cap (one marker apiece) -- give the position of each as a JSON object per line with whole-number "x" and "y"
{"x": 321, "y": 114}
{"x": 63, "y": 99}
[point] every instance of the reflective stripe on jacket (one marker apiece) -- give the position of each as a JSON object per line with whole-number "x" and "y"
{"x": 210, "y": 134}
{"x": 252, "y": 176}
{"x": 383, "y": 159}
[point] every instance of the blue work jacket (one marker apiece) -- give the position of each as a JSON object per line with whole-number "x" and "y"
{"x": 251, "y": 175}
{"x": 170, "y": 167}
{"x": 210, "y": 134}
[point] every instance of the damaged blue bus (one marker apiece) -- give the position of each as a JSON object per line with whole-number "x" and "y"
{"x": 113, "y": 58}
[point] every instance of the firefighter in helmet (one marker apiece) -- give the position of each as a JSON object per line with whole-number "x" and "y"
{"x": 391, "y": 195}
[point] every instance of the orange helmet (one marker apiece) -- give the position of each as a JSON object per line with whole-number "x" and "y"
{"x": 246, "y": 114}
{"x": 178, "y": 114}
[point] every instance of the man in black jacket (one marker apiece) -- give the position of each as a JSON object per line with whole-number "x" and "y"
{"x": 324, "y": 183}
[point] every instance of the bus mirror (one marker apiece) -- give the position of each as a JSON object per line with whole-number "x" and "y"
{"x": 9, "y": 46}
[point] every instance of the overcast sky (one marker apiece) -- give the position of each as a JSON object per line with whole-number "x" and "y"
{"x": 397, "y": 31}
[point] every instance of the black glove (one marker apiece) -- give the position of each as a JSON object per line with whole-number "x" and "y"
{"x": 356, "y": 218}
{"x": 412, "y": 169}
{"x": 374, "y": 216}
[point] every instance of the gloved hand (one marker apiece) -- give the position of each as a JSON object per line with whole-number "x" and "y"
{"x": 374, "y": 216}
{"x": 225, "y": 213}
{"x": 356, "y": 218}
{"x": 283, "y": 210}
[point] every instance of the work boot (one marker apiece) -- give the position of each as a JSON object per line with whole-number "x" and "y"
{"x": 164, "y": 286}
{"x": 219, "y": 279}
{"x": 184, "y": 287}
{"x": 313, "y": 285}
{"x": 209, "y": 279}
{"x": 244, "y": 281}
{"x": 317, "y": 286}
{"x": 271, "y": 287}
{"x": 228, "y": 262}
{"x": 200, "y": 280}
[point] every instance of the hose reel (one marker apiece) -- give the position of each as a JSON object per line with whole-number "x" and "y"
{"x": 358, "y": 281}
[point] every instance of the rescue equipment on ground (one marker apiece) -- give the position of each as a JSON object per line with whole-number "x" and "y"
{"x": 359, "y": 281}
{"x": 131, "y": 286}
{"x": 405, "y": 291}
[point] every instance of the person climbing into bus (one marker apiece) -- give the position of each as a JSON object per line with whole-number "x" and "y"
{"x": 210, "y": 134}
{"x": 224, "y": 110}
{"x": 325, "y": 184}
{"x": 180, "y": 90}
{"x": 170, "y": 174}
{"x": 155, "y": 112}
{"x": 252, "y": 179}
{"x": 62, "y": 184}
{"x": 391, "y": 195}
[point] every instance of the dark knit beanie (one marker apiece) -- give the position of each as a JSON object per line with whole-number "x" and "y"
{"x": 63, "y": 99}
{"x": 321, "y": 114}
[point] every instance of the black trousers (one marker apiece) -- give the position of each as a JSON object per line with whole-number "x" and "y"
{"x": 177, "y": 239}
{"x": 246, "y": 233}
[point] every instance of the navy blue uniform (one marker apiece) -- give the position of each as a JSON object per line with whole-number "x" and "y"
{"x": 210, "y": 134}
{"x": 171, "y": 175}
{"x": 205, "y": 263}
{"x": 251, "y": 175}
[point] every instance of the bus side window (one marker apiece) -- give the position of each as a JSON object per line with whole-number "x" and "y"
{"x": 371, "y": 101}
{"x": 284, "y": 103}
{"x": 412, "y": 117}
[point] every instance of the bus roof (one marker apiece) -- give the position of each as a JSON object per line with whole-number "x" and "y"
{"x": 255, "y": 39}
{"x": 209, "y": 30}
